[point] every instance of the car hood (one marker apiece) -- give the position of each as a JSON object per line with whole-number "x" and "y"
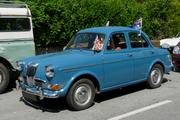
{"x": 170, "y": 41}
{"x": 64, "y": 59}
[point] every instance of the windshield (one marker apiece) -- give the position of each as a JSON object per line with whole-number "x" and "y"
{"x": 88, "y": 41}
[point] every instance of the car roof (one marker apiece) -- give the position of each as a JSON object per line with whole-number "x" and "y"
{"x": 107, "y": 30}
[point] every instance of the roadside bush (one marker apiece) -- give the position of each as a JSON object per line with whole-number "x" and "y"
{"x": 56, "y": 21}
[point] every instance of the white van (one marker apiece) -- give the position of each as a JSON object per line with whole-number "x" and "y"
{"x": 16, "y": 38}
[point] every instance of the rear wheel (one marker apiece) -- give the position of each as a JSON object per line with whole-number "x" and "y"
{"x": 81, "y": 95}
{"x": 4, "y": 77}
{"x": 155, "y": 76}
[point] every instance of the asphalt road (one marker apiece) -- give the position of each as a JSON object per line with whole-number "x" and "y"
{"x": 131, "y": 103}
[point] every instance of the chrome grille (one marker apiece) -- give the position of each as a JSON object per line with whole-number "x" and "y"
{"x": 31, "y": 69}
{"x": 34, "y": 82}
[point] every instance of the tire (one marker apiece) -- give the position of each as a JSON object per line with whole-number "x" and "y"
{"x": 81, "y": 95}
{"x": 4, "y": 78}
{"x": 155, "y": 76}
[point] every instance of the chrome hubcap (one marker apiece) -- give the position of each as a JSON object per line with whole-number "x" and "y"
{"x": 83, "y": 94}
{"x": 156, "y": 76}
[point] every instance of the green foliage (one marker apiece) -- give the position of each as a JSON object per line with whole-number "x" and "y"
{"x": 56, "y": 21}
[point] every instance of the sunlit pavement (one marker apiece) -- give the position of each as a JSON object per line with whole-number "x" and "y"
{"x": 132, "y": 103}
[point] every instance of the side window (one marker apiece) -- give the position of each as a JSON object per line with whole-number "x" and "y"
{"x": 117, "y": 42}
{"x": 14, "y": 24}
{"x": 137, "y": 41}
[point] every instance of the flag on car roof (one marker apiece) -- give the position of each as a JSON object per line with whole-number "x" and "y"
{"x": 138, "y": 25}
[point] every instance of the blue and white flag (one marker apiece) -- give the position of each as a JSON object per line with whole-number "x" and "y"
{"x": 138, "y": 25}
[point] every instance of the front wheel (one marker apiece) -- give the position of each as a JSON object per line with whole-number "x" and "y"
{"x": 81, "y": 95}
{"x": 155, "y": 76}
{"x": 4, "y": 78}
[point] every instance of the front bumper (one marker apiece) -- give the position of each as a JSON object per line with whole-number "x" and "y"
{"x": 38, "y": 91}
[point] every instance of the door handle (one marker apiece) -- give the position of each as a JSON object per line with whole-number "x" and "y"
{"x": 129, "y": 54}
{"x": 152, "y": 52}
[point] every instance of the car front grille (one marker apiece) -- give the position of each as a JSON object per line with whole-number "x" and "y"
{"x": 34, "y": 82}
{"x": 31, "y": 69}
{"x": 30, "y": 78}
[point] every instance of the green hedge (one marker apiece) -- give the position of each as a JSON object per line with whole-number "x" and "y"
{"x": 55, "y": 21}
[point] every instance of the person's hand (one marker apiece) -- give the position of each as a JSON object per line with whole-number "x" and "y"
{"x": 117, "y": 48}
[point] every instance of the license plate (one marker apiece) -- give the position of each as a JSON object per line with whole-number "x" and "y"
{"x": 30, "y": 97}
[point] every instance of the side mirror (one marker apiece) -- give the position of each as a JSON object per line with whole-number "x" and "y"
{"x": 97, "y": 51}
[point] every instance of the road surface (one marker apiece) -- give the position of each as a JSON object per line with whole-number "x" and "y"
{"x": 131, "y": 103}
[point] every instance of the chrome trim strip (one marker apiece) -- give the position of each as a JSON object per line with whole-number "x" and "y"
{"x": 91, "y": 65}
{"x": 78, "y": 67}
{"x": 39, "y": 94}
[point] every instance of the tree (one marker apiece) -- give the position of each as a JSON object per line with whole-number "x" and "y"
{"x": 56, "y": 21}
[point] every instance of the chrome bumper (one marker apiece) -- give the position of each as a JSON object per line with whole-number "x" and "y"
{"x": 38, "y": 91}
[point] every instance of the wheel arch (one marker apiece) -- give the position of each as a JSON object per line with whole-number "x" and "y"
{"x": 6, "y": 63}
{"x": 89, "y": 76}
{"x": 157, "y": 62}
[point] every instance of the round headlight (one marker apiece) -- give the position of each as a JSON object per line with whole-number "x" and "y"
{"x": 49, "y": 71}
{"x": 20, "y": 65}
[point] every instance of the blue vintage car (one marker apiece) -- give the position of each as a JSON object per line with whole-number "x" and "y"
{"x": 95, "y": 60}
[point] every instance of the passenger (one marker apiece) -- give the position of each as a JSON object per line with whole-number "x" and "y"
{"x": 118, "y": 48}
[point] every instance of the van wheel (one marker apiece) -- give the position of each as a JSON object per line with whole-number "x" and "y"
{"x": 81, "y": 95}
{"x": 155, "y": 76}
{"x": 4, "y": 78}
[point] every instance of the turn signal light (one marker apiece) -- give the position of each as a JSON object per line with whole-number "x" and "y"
{"x": 55, "y": 87}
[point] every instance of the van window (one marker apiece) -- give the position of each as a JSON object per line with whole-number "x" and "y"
{"x": 14, "y": 24}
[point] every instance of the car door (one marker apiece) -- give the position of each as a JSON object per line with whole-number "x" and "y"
{"x": 118, "y": 64}
{"x": 143, "y": 55}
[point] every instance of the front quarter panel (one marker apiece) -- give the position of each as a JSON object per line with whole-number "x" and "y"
{"x": 66, "y": 76}
{"x": 75, "y": 75}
